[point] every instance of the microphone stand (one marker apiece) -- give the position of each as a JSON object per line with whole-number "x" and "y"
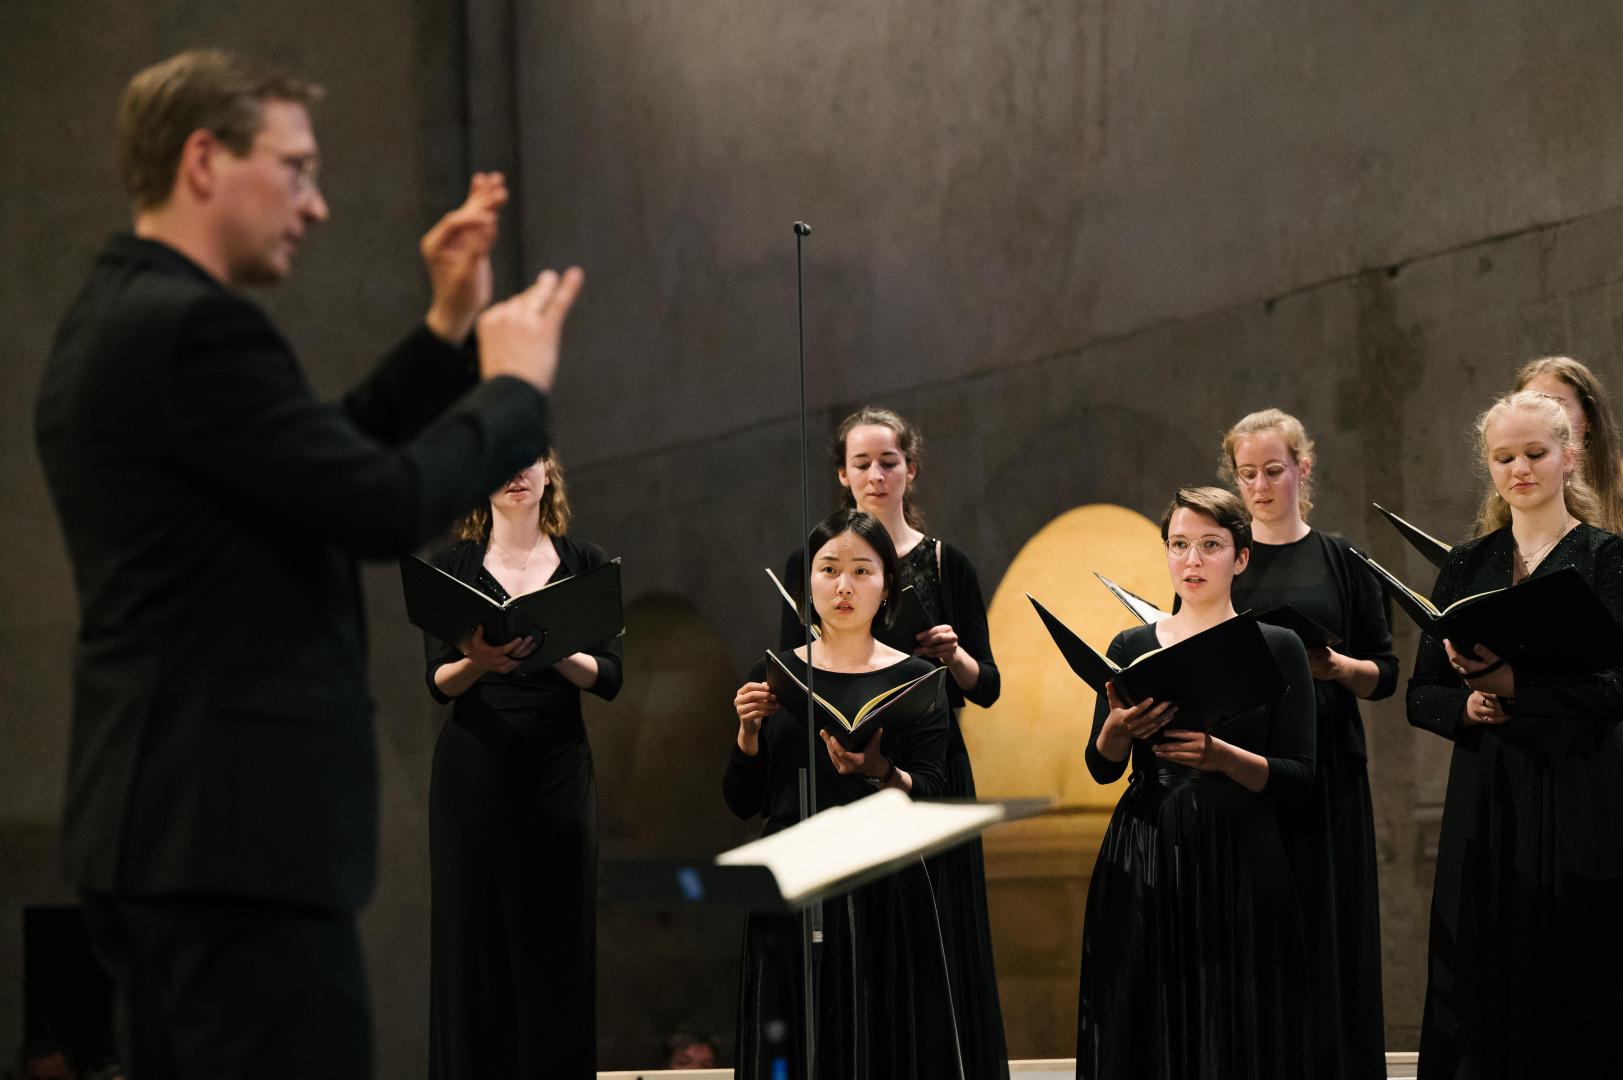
{"x": 812, "y": 918}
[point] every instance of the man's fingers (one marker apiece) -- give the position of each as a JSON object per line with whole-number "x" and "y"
{"x": 552, "y": 293}
{"x": 567, "y": 289}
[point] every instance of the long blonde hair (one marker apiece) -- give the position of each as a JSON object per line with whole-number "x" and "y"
{"x": 1598, "y": 457}
{"x": 554, "y": 507}
{"x": 1581, "y": 500}
{"x": 1296, "y": 440}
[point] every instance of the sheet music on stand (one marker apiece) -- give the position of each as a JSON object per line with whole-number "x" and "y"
{"x": 825, "y": 856}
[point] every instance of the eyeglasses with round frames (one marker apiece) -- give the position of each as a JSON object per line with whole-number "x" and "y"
{"x": 1273, "y": 472}
{"x": 1208, "y": 546}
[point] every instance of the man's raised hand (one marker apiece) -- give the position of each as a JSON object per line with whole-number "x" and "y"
{"x": 456, "y": 252}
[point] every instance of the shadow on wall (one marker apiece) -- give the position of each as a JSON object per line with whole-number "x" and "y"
{"x": 1030, "y": 743}
{"x": 659, "y": 751}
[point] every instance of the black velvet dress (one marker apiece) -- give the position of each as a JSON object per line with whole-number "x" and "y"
{"x": 513, "y": 861}
{"x": 884, "y": 1009}
{"x": 1525, "y": 970}
{"x": 1331, "y": 837}
{"x": 951, "y": 594}
{"x": 1193, "y": 959}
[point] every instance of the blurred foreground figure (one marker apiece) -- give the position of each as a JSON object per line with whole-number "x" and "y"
{"x": 221, "y": 812}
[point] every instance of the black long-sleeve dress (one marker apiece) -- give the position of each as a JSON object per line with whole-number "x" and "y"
{"x": 950, "y": 590}
{"x": 1525, "y": 970}
{"x": 1193, "y": 957}
{"x": 884, "y": 1008}
{"x": 513, "y": 860}
{"x": 1330, "y": 838}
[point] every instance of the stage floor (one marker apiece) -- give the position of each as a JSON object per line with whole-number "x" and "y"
{"x": 1399, "y": 1066}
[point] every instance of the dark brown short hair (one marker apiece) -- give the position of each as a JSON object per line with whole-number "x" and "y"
{"x": 200, "y": 89}
{"x": 1219, "y": 504}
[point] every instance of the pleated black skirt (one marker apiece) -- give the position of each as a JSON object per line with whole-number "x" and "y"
{"x": 1193, "y": 962}
{"x": 883, "y": 1007}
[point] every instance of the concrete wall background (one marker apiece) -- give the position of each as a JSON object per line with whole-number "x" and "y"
{"x": 1072, "y": 240}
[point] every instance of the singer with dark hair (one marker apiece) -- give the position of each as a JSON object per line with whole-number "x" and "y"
{"x": 884, "y": 1010}
{"x": 1193, "y": 958}
{"x": 512, "y": 816}
{"x": 876, "y": 455}
{"x": 221, "y": 811}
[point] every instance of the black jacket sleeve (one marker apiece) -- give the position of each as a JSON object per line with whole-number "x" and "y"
{"x": 410, "y": 387}
{"x": 240, "y": 415}
{"x": 967, "y": 614}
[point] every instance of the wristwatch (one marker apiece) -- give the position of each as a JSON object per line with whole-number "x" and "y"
{"x": 881, "y": 781}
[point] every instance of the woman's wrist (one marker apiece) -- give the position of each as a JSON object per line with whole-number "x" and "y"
{"x": 749, "y": 743}
{"x": 878, "y": 775}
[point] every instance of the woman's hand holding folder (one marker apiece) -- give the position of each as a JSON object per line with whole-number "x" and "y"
{"x": 1125, "y": 724}
{"x": 754, "y": 702}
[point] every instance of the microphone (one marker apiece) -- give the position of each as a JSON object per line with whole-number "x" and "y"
{"x": 802, "y": 229}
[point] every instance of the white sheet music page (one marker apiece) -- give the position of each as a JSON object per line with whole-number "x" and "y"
{"x": 846, "y": 840}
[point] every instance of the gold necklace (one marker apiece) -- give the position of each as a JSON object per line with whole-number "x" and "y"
{"x": 1534, "y": 557}
{"x": 512, "y": 561}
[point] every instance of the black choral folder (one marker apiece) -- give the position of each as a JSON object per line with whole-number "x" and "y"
{"x": 1553, "y": 621}
{"x": 901, "y": 704}
{"x": 1314, "y": 634}
{"x": 1435, "y": 551}
{"x": 1212, "y": 676}
{"x": 564, "y": 616}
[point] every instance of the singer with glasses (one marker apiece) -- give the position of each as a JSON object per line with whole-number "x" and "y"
{"x": 1193, "y": 961}
{"x": 883, "y": 1009}
{"x": 1523, "y": 959}
{"x": 1330, "y": 839}
{"x": 876, "y": 455}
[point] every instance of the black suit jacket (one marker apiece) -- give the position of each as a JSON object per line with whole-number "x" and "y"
{"x": 213, "y": 510}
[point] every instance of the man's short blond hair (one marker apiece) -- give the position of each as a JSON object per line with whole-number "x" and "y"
{"x": 200, "y": 89}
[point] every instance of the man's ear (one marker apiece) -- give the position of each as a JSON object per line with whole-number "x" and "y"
{"x": 197, "y": 172}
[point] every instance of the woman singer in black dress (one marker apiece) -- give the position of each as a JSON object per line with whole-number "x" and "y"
{"x": 1525, "y": 972}
{"x": 1193, "y": 958}
{"x": 876, "y": 455}
{"x": 883, "y": 1008}
{"x": 513, "y": 811}
{"x": 1331, "y": 837}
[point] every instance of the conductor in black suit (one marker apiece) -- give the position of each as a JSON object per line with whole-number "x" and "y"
{"x": 221, "y": 811}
